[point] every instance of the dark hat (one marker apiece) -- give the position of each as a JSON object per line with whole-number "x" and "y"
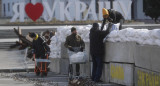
{"x": 32, "y": 35}
{"x": 73, "y": 29}
{"x": 95, "y": 25}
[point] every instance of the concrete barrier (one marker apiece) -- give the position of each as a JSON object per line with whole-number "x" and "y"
{"x": 55, "y": 65}
{"x": 105, "y": 73}
{"x": 147, "y": 56}
{"x": 155, "y": 58}
{"x": 142, "y": 56}
{"x": 64, "y": 65}
{"x": 120, "y": 61}
{"x": 64, "y": 53}
{"x": 85, "y": 69}
{"x": 145, "y": 77}
{"x": 120, "y": 52}
{"x": 59, "y": 66}
{"x": 121, "y": 73}
{"x": 87, "y": 50}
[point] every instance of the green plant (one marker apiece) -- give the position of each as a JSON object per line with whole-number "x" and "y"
{"x": 152, "y": 9}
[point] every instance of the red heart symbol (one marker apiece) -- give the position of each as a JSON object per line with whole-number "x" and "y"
{"x": 34, "y": 11}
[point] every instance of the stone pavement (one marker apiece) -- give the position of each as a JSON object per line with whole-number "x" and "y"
{"x": 13, "y": 65}
{"x": 11, "y": 82}
{"x": 30, "y": 79}
{"x": 11, "y": 60}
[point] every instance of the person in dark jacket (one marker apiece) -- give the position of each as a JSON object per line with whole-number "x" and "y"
{"x": 97, "y": 50}
{"x": 40, "y": 48}
{"x": 115, "y": 17}
{"x": 75, "y": 44}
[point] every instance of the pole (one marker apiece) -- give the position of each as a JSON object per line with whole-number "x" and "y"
{"x": 111, "y": 4}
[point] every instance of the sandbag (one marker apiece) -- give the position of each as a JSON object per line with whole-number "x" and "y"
{"x": 79, "y": 57}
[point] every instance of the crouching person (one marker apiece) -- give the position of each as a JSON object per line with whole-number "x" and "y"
{"x": 74, "y": 43}
{"x": 39, "y": 46}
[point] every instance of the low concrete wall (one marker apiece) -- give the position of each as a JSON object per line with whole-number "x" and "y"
{"x": 148, "y": 57}
{"x": 64, "y": 53}
{"x": 143, "y": 58}
{"x": 121, "y": 73}
{"x": 145, "y": 77}
{"x": 55, "y": 65}
{"x": 120, "y": 52}
{"x": 106, "y": 73}
{"x": 85, "y": 69}
{"x": 61, "y": 65}
{"x": 126, "y": 63}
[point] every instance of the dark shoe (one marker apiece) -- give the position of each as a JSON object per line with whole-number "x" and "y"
{"x": 77, "y": 74}
{"x": 92, "y": 79}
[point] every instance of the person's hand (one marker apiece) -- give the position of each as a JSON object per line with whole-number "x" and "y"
{"x": 110, "y": 20}
{"x": 109, "y": 27}
{"x": 81, "y": 49}
{"x": 71, "y": 49}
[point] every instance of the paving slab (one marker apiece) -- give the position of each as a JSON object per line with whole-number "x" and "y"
{"x": 11, "y": 82}
{"x": 14, "y": 60}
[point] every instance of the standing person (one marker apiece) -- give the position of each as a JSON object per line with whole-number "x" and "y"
{"x": 97, "y": 50}
{"x": 74, "y": 43}
{"x": 114, "y": 17}
{"x": 40, "y": 48}
{"x": 47, "y": 35}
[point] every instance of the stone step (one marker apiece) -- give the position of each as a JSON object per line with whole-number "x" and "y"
{"x": 9, "y": 33}
{"x": 6, "y": 45}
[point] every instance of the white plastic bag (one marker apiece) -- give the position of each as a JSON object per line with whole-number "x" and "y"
{"x": 113, "y": 31}
{"x": 78, "y": 57}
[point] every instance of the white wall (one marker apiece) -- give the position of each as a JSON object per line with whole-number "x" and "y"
{"x": 8, "y": 9}
{"x": 123, "y": 7}
{"x": 120, "y": 5}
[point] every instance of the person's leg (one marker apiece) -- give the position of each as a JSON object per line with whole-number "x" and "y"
{"x": 70, "y": 69}
{"x": 94, "y": 68}
{"x": 99, "y": 69}
{"x": 77, "y": 69}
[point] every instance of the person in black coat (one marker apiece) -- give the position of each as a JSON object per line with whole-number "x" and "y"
{"x": 40, "y": 47}
{"x": 115, "y": 17}
{"x": 97, "y": 50}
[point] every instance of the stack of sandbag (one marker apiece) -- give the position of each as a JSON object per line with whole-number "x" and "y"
{"x": 60, "y": 37}
{"x": 141, "y": 36}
